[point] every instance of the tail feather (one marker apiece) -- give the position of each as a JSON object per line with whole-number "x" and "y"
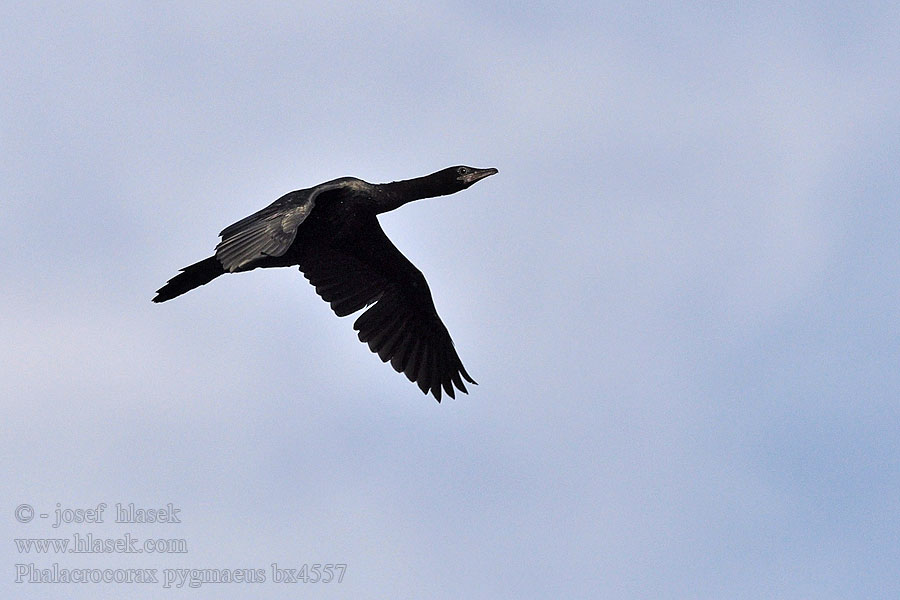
{"x": 190, "y": 277}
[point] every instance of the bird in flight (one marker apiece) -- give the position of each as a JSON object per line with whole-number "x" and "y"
{"x": 331, "y": 232}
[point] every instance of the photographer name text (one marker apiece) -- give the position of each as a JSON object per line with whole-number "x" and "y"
{"x": 121, "y": 513}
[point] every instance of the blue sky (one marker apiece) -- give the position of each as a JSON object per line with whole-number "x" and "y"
{"x": 679, "y": 296}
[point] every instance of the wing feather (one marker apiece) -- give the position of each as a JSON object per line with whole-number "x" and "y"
{"x": 270, "y": 231}
{"x": 401, "y": 324}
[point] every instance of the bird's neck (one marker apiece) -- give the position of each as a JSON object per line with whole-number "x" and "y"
{"x": 397, "y": 193}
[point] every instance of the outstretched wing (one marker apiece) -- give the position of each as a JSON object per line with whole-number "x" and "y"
{"x": 402, "y": 325}
{"x": 270, "y": 231}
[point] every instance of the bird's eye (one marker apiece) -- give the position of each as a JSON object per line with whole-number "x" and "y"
{"x": 462, "y": 170}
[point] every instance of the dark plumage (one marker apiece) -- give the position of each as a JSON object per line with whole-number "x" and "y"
{"x": 331, "y": 232}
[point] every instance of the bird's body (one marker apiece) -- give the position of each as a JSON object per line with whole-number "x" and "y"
{"x": 331, "y": 232}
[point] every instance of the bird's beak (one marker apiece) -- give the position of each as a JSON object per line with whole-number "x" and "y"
{"x": 477, "y": 175}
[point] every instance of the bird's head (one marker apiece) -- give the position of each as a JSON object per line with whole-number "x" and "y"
{"x": 460, "y": 177}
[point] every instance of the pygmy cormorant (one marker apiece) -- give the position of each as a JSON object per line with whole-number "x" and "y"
{"x": 331, "y": 232}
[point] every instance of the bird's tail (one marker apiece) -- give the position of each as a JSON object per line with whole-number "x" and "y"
{"x": 190, "y": 277}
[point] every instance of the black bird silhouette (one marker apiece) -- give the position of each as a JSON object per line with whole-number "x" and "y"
{"x": 331, "y": 232}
